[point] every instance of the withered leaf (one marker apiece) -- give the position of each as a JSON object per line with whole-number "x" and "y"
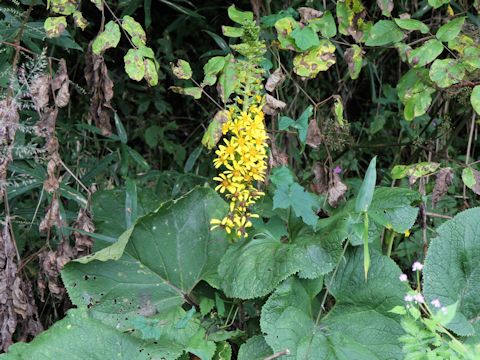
{"x": 16, "y": 298}
{"x": 83, "y": 243}
{"x": 442, "y": 182}
{"x": 52, "y": 216}
{"x": 39, "y": 88}
{"x": 45, "y": 127}
{"x": 320, "y": 180}
{"x": 313, "y": 134}
{"x": 336, "y": 189}
{"x": 273, "y": 105}
{"x": 307, "y": 13}
{"x": 61, "y": 76}
{"x": 96, "y": 75}
{"x": 275, "y": 79}
{"x": 63, "y": 95}
{"x": 276, "y": 157}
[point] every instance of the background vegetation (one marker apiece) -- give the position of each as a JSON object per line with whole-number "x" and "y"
{"x": 106, "y": 165}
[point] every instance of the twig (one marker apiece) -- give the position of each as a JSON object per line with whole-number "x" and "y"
{"x": 430, "y": 214}
{"x": 278, "y": 354}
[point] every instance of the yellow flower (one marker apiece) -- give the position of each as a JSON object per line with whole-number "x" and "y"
{"x": 225, "y": 184}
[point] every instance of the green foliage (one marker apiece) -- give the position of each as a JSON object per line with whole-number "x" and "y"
{"x": 107, "y": 39}
{"x": 290, "y": 317}
{"x": 456, "y": 248}
{"x": 371, "y": 112}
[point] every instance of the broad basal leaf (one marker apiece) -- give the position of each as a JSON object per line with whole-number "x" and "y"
{"x": 168, "y": 253}
{"x": 254, "y": 349}
{"x": 255, "y": 268}
{"x": 109, "y": 209}
{"x": 78, "y": 336}
{"x": 358, "y": 327}
{"x": 451, "y": 271}
{"x": 303, "y": 203}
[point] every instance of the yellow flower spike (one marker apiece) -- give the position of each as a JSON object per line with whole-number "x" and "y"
{"x": 242, "y": 154}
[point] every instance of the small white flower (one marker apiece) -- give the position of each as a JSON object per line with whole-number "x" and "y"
{"x": 419, "y": 298}
{"x": 417, "y": 266}
{"x": 436, "y": 303}
{"x": 444, "y": 310}
{"x": 408, "y": 298}
{"x": 403, "y": 277}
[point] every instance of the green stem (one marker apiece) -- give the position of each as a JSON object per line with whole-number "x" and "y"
{"x": 390, "y": 239}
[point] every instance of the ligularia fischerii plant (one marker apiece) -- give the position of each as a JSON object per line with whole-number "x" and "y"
{"x": 239, "y": 127}
{"x": 243, "y": 149}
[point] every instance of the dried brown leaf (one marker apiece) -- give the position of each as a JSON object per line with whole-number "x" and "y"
{"x": 443, "y": 181}
{"x": 61, "y": 76}
{"x": 63, "y": 95}
{"x": 336, "y": 190}
{"x": 320, "y": 180}
{"x": 39, "y": 89}
{"x": 83, "y": 243}
{"x": 96, "y": 75}
{"x": 16, "y": 298}
{"x": 307, "y": 13}
{"x": 52, "y": 216}
{"x": 313, "y": 134}
{"x": 273, "y": 106}
{"x": 275, "y": 79}
{"x": 277, "y": 157}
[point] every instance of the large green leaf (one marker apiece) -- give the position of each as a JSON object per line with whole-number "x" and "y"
{"x": 305, "y": 38}
{"x": 316, "y": 59}
{"x": 255, "y": 268}
{"x": 415, "y": 93}
{"x": 365, "y": 194}
{"x": 107, "y": 39}
{"x": 447, "y": 72}
{"x": 168, "y": 253}
{"x": 390, "y": 208}
{"x": 411, "y": 25}
{"x": 78, "y": 336}
{"x": 384, "y": 32}
{"x": 475, "y": 99}
{"x": 358, "y": 327}
{"x": 109, "y": 209}
{"x": 324, "y": 24}
{"x": 450, "y": 30}
{"x": 254, "y": 349}
{"x": 303, "y": 203}
{"x": 426, "y": 53}
{"x": 452, "y": 271}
